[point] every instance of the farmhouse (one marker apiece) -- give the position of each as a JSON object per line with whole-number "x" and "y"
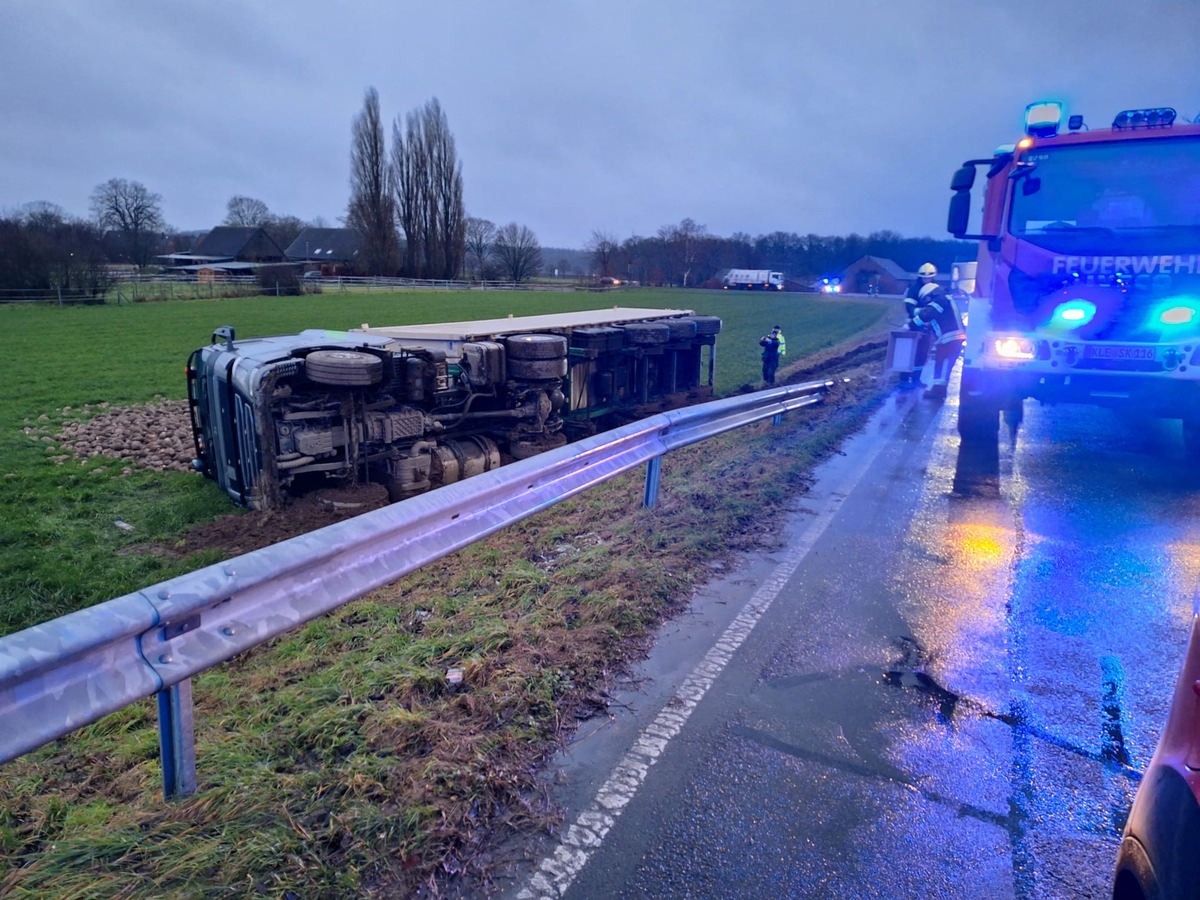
{"x": 228, "y": 250}
{"x": 330, "y": 251}
{"x": 873, "y": 274}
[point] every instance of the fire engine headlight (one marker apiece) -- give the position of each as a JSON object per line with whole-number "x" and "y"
{"x": 1013, "y": 348}
{"x": 1178, "y": 311}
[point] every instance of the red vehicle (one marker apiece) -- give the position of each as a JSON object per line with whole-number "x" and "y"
{"x": 1088, "y": 280}
{"x": 1159, "y": 857}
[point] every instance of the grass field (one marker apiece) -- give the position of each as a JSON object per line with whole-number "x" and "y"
{"x": 334, "y": 761}
{"x": 58, "y": 546}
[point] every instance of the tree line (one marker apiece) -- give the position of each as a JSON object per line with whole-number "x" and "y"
{"x": 686, "y": 255}
{"x": 406, "y": 201}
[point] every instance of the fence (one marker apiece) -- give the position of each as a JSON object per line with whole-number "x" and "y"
{"x": 57, "y": 296}
{"x": 61, "y": 675}
{"x": 135, "y": 287}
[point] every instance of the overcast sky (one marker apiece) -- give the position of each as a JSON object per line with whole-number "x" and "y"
{"x": 571, "y": 116}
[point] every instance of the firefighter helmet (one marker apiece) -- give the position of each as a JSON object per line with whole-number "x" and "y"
{"x": 927, "y": 270}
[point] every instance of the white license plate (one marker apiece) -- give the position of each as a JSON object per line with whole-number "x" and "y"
{"x": 1117, "y": 351}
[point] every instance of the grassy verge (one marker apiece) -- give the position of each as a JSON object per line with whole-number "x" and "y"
{"x": 339, "y": 760}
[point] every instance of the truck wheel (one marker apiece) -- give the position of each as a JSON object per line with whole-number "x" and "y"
{"x": 978, "y": 412}
{"x": 343, "y": 367}
{"x": 978, "y": 421}
{"x": 707, "y": 324}
{"x": 647, "y": 333}
{"x": 537, "y": 369}
{"x": 536, "y": 346}
{"x": 681, "y": 329}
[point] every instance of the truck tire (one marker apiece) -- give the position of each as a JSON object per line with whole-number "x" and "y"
{"x": 343, "y": 367}
{"x": 681, "y": 329}
{"x": 645, "y": 334}
{"x": 537, "y": 369}
{"x": 978, "y": 412}
{"x": 535, "y": 346}
{"x": 707, "y": 324}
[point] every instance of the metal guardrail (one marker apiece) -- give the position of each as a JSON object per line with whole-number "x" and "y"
{"x": 61, "y": 675}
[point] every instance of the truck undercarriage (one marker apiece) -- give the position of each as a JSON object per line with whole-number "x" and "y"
{"x": 416, "y": 407}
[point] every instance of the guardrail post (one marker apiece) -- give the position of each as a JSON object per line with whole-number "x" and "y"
{"x": 177, "y": 740}
{"x": 653, "y": 473}
{"x": 777, "y": 419}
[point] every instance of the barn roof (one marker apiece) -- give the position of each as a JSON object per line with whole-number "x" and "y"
{"x": 326, "y": 245}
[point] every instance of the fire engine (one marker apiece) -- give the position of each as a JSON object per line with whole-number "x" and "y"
{"x": 1087, "y": 285}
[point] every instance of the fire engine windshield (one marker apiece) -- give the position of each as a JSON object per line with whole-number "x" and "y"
{"x": 1098, "y": 195}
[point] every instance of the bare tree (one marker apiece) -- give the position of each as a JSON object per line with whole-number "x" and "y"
{"x": 602, "y": 248}
{"x": 409, "y": 179}
{"x": 479, "y": 236}
{"x": 372, "y": 207}
{"x": 683, "y": 245}
{"x": 246, "y": 212}
{"x": 284, "y": 229}
{"x": 427, "y": 176}
{"x": 133, "y": 213}
{"x": 518, "y": 252}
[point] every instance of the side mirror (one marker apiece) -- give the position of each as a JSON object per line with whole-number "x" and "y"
{"x": 964, "y": 179}
{"x": 960, "y": 213}
{"x": 958, "y": 222}
{"x": 224, "y": 333}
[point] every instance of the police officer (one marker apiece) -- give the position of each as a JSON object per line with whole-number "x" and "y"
{"x": 774, "y": 346}
{"x": 935, "y": 313}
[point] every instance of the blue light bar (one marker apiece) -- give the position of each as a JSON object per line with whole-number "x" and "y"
{"x": 1043, "y": 118}
{"x": 1158, "y": 117}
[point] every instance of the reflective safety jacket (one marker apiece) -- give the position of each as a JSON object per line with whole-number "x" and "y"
{"x": 930, "y": 308}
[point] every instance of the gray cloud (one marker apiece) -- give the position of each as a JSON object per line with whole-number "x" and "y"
{"x": 824, "y": 117}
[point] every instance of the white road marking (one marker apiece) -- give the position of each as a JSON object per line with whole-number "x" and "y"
{"x": 556, "y": 872}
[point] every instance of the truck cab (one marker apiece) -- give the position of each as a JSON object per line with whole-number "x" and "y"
{"x": 1087, "y": 286}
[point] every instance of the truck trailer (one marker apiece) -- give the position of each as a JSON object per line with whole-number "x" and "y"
{"x": 413, "y": 407}
{"x": 1087, "y": 285}
{"x": 752, "y": 280}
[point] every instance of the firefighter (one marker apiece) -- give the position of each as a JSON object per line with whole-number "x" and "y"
{"x": 774, "y": 347}
{"x": 935, "y": 313}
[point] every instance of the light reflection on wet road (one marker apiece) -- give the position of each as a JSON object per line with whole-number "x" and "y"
{"x": 955, "y": 692}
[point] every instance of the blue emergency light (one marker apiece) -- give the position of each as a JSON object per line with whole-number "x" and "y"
{"x": 1073, "y": 314}
{"x": 1159, "y": 117}
{"x": 1043, "y": 118}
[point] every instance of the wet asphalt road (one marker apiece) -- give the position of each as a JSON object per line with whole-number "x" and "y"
{"x": 948, "y": 686}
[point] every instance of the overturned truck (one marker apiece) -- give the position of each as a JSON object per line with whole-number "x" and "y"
{"x": 415, "y": 407}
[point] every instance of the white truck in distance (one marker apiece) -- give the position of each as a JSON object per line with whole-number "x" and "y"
{"x": 752, "y": 280}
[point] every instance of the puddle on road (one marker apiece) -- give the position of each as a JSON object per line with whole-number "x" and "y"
{"x": 909, "y": 672}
